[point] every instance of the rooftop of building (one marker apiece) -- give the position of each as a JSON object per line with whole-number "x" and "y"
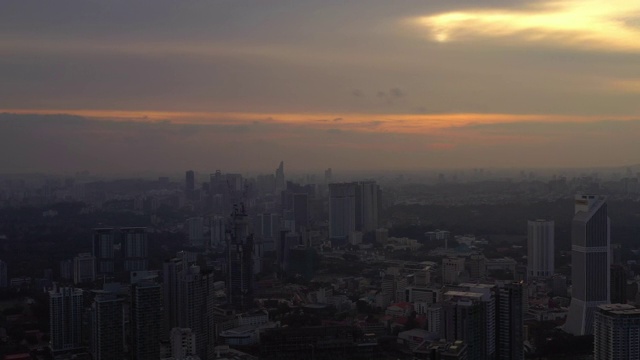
{"x": 620, "y": 309}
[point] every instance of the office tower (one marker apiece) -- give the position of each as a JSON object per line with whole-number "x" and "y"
{"x": 183, "y": 343}
{"x": 65, "y": 319}
{"x": 195, "y": 307}
{"x": 84, "y": 268}
{"x": 540, "y": 249}
{"x": 451, "y": 269}
{"x": 146, "y": 320}
{"x": 107, "y": 327}
{"x": 488, "y": 315}
{"x": 195, "y": 231}
{"x": 462, "y": 319}
{"x": 3, "y": 274}
{"x": 590, "y": 274}
{"x": 103, "y": 241}
{"x": 240, "y": 262}
{"x": 342, "y": 210}
{"x": 171, "y": 270}
{"x": 328, "y": 176}
{"x": 190, "y": 184}
{"x": 135, "y": 248}
{"x": 280, "y": 183}
{"x": 616, "y": 332}
{"x": 509, "y": 322}
{"x": 301, "y": 212}
{"x": 369, "y": 205}
{"x": 618, "y": 285}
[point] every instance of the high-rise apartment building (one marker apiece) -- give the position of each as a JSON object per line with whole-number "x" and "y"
{"x": 84, "y": 268}
{"x": 65, "y": 319}
{"x": 540, "y": 249}
{"x": 107, "y": 327}
{"x": 509, "y": 322}
{"x": 195, "y": 231}
{"x": 353, "y": 207}
{"x": 146, "y": 320}
{"x": 135, "y": 245}
{"x": 616, "y": 332}
{"x": 103, "y": 251}
{"x": 240, "y": 262}
{"x": 590, "y": 274}
{"x": 195, "y": 307}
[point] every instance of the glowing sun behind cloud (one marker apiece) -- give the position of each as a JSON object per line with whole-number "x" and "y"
{"x": 611, "y": 25}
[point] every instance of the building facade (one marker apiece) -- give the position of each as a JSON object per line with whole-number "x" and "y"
{"x": 540, "y": 249}
{"x": 616, "y": 332}
{"x": 590, "y": 263}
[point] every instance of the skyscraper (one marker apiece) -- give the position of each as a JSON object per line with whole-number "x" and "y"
{"x": 190, "y": 184}
{"x": 240, "y": 262}
{"x": 353, "y": 207}
{"x": 280, "y": 183}
{"x": 103, "y": 241}
{"x": 107, "y": 327}
{"x": 509, "y": 322}
{"x": 135, "y": 248}
{"x": 146, "y": 320}
{"x": 170, "y": 290}
{"x": 590, "y": 244}
{"x": 342, "y": 210}
{"x": 616, "y": 332}
{"x": 65, "y": 319}
{"x": 369, "y": 205}
{"x": 463, "y": 319}
{"x": 540, "y": 249}
{"x": 195, "y": 307}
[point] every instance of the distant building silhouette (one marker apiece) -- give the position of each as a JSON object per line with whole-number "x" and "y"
{"x": 190, "y": 184}
{"x": 3, "y": 274}
{"x": 84, "y": 268}
{"x": 590, "y": 273}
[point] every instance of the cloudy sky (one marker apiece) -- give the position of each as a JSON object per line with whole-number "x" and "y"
{"x": 162, "y": 85}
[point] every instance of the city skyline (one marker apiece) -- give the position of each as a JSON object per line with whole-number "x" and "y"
{"x": 371, "y": 86}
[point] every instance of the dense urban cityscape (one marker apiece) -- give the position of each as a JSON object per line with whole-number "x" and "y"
{"x": 319, "y": 180}
{"x": 229, "y": 266}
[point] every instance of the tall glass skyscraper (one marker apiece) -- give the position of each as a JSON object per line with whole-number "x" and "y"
{"x": 590, "y": 244}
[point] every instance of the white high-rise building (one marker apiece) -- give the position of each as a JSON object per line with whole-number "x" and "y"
{"x": 451, "y": 269}
{"x": 590, "y": 263}
{"x": 540, "y": 249}
{"x": 616, "y": 332}
{"x": 65, "y": 318}
{"x": 183, "y": 343}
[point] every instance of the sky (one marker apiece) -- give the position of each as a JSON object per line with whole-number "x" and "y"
{"x": 165, "y": 85}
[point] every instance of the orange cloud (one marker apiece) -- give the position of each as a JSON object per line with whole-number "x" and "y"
{"x": 361, "y": 122}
